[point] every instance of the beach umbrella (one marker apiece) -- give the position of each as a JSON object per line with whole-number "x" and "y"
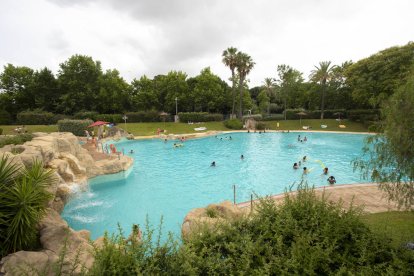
{"x": 98, "y": 123}
{"x": 301, "y": 114}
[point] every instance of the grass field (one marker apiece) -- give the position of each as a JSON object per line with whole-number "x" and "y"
{"x": 398, "y": 226}
{"x": 146, "y": 129}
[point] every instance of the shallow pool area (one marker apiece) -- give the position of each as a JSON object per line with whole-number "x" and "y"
{"x": 169, "y": 182}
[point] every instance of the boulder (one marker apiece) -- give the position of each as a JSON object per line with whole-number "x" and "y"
{"x": 208, "y": 217}
{"x": 29, "y": 263}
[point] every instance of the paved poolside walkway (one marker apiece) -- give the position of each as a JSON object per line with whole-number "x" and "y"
{"x": 367, "y": 196}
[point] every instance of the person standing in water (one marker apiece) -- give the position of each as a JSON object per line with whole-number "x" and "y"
{"x": 213, "y": 164}
{"x": 242, "y": 157}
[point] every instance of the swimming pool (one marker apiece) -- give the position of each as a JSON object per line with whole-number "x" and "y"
{"x": 169, "y": 182}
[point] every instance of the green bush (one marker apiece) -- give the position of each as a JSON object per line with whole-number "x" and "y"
{"x": 58, "y": 117}
{"x": 111, "y": 118}
{"x": 23, "y": 201}
{"x": 91, "y": 115}
{"x": 15, "y": 140}
{"x": 361, "y": 115}
{"x": 146, "y": 116}
{"x": 274, "y": 117}
{"x": 34, "y": 117}
{"x": 260, "y": 126}
{"x": 199, "y": 117}
{"x": 233, "y": 124}
{"x": 291, "y": 114}
{"x": 77, "y": 127}
{"x": 1, "y": 131}
{"x": 5, "y": 117}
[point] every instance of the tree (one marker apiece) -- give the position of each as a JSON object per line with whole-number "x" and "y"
{"x": 263, "y": 102}
{"x": 244, "y": 64}
{"x": 113, "y": 93}
{"x": 269, "y": 85}
{"x": 377, "y": 77}
{"x": 79, "y": 81}
{"x": 322, "y": 74}
{"x": 209, "y": 93}
{"x": 389, "y": 157}
{"x": 289, "y": 80}
{"x": 46, "y": 90}
{"x": 229, "y": 59}
{"x": 17, "y": 83}
{"x": 143, "y": 95}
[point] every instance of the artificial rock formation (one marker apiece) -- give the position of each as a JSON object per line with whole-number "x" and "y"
{"x": 209, "y": 216}
{"x": 73, "y": 165}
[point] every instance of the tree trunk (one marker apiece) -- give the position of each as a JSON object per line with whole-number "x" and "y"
{"x": 323, "y": 100}
{"x": 233, "y": 90}
{"x": 241, "y": 98}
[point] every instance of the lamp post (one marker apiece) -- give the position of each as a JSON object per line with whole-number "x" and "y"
{"x": 176, "y": 110}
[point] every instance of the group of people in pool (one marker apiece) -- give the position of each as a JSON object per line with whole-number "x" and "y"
{"x": 225, "y": 138}
{"x": 305, "y": 139}
{"x": 331, "y": 179}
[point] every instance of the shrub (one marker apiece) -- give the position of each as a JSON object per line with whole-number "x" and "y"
{"x": 23, "y": 201}
{"x": 274, "y": 117}
{"x": 5, "y": 117}
{"x": 233, "y": 124}
{"x": 34, "y": 117}
{"x": 291, "y": 114}
{"x": 111, "y": 118}
{"x": 77, "y": 127}
{"x": 1, "y": 131}
{"x": 199, "y": 117}
{"x": 15, "y": 140}
{"x": 58, "y": 117}
{"x": 91, "y": 115}
{"x": 361, "y": 115}
{"x": 146, "y": 116}
{"x": 275, "y": 108}
{"x": 260, "y": 126}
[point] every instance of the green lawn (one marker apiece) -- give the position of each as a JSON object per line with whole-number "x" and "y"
{"x": 399, "y": 226}
{"x": 7, "y": 129}
{"x": 146, "y": 129}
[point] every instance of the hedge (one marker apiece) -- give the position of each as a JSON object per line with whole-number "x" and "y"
{"x": 291, "y": 114}
{"x": 362, "y": 115}
{"x": 274, "y": 117}
{"x": 86, "y": 115}
{"x": 233, "y": 124}
{"x": 257, "y": 117}
{"x": 34, "y": 117}
{"x": 199, "y": 117}
{"x": 146, "y": 116}
{"x": 77, "y": 127}
{"x": 111, "y": 118}
{"x": 5, "y": 117}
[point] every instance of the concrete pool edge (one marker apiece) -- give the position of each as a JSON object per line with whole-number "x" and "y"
{"x": 365, "y": 195}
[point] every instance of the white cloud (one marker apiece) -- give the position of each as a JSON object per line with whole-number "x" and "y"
{"x": 153, "y": 37}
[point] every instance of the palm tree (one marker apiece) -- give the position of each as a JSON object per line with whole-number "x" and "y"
{"x": 322, "y": 74}
{"x": 23, "y": 202}
{"x": 269, "y": 84}
{"x": 229, "y": 59}
{"x": 244, "y": 64}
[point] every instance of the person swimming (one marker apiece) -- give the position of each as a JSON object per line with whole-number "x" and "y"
{"x": 298, "y": 138}
{"x": 325, "y": 170}
{"x": 304, "y": 158}
{"x": 331, "y": 180}
{"x": 305, "y": 139}
{"x": 300, "y": 163}
{"x": 213, "y": 164}
{"x": 305, "y": 170}
{"x": 242, "y": 157}
{"x": 131, "y": 151}
{"x": 295, "y": 166}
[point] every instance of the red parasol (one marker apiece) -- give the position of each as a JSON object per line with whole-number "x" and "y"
{"x": 98, "y": 123}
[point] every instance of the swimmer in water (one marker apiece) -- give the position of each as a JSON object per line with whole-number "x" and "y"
{"x": 242, "y": 157}
{"x": 325, "y": 171}
{"x": 331, "y": 180}
{"x": 305, "y": 170}
{"x": 300, "y": 163}
{"x": 131, "y": 151}
{"x": 305, "y": 139}
{"x": 295, "y": 166}
{"x": 304, "y": 158}
{"x": 213, "y": 164}
{"x": 298, "y": 138}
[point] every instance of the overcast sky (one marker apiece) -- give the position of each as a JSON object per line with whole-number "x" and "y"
{"x": 152, "y": 37}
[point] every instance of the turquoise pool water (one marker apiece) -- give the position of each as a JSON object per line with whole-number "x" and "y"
{"x": 169, "y": 182}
